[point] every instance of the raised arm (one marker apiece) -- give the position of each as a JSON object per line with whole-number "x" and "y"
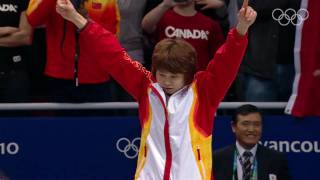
{"x": 223, "y": 69}
{"x": 106, "y": 50}
{"x": 150, "y": 20}
{"x": 18, "y": 36}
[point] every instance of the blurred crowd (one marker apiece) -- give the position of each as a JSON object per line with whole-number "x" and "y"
{"x": 42, "y": 60}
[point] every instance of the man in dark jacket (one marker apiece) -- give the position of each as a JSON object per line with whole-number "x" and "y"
{"x": 247, "y": 159}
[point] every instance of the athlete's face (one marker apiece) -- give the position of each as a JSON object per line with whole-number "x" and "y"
{"x": 248, "y": 129}
{"x": 170, "y": 82}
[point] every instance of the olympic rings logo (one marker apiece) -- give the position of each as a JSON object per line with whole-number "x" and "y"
{"x": 290, "y": 16}
{"x": 129, "y": 149}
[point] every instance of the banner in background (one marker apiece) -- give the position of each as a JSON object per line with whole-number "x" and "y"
{"x": 106, "y": 148}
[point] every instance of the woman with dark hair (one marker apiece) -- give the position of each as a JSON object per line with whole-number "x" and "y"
{"x": 176, "y": 104}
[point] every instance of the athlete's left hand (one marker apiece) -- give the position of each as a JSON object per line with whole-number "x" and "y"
{"x": 246, "y": 17}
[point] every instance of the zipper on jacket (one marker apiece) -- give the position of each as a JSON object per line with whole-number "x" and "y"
{"x": 203, "y": 170}
{"x": 168, "y": 163}
{"x": 76, "y": 59}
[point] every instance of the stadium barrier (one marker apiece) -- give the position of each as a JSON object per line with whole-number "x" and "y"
{"x": 94, "y": 148}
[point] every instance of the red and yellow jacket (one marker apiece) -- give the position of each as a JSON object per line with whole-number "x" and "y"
{"x": 176, "y": 137}
{"x": 60, "y": 38}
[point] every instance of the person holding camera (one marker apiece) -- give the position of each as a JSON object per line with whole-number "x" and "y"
{"x": 180, "y": 19}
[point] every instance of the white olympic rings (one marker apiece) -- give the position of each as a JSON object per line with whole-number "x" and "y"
{"x": 289, "y": 16}
{"x": 128, "y": 146}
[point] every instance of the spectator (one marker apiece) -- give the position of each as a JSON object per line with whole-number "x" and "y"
{"x": 176, "y": 105}
{"x": 72, "y": 77}
{"x": 37, "y": 62}
{"x": 266, "y": 73}
{"x": 216, "y": 10}
{"x": 247, "y": 159}
{"x": 181, "y": 20}
{"x": 14, "y": 34}
{"x": 305, "y": 97}
{"x": 131, "y": 37}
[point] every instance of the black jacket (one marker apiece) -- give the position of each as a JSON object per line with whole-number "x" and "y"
{"x": 269, "y": 162}
{"x": 269, "y": 43}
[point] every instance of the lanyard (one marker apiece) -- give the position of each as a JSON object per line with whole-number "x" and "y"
{"x": 253, "y": 171}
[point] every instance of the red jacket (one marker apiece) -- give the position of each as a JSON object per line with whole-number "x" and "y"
{"x": 176, "y": 136}
{"x": 60, "y": 53}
